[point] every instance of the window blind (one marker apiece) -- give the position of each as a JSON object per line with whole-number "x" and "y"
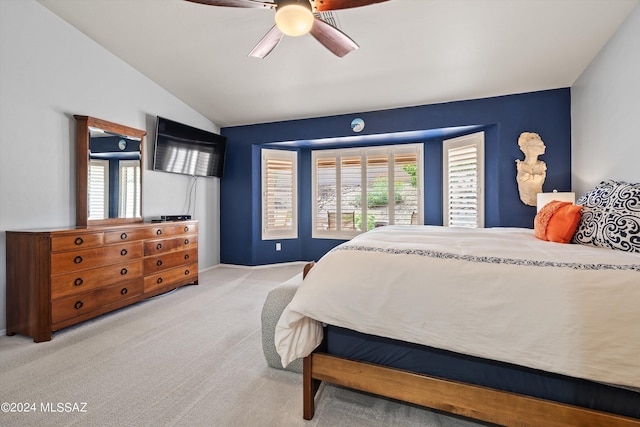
{"x": 279, "y": 194}
{"x": 98, "y": 189}
{"x": 463, "y": 181}
{"x": 130, "y": 184}
{"x": 356, "y": 190}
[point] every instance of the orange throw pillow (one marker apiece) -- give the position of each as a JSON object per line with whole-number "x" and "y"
{"x": 557, "y": 221}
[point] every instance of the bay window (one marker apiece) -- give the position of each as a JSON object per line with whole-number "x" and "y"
{"x": 358, "y": 189}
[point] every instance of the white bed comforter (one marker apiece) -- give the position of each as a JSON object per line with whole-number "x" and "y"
{"x": 497, "y": 293}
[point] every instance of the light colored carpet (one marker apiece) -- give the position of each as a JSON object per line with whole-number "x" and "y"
{"x": 189, "y": 358}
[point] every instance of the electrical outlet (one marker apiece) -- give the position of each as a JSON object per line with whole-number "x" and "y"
{"x": 278, "y": 246}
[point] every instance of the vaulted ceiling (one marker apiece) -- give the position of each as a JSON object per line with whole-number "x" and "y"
{"x": 412, "y": 52}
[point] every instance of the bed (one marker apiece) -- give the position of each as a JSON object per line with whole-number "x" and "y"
{"x": 509, "y": 328}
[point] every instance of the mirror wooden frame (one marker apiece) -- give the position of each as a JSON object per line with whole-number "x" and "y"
{"x": 83, "y": 123}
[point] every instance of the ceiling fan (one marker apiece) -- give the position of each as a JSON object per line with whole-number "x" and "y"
{"x": 295, "y": 18}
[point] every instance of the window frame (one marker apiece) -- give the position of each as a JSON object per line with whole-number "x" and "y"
{"x": 267, "y": 154}
{"x": 128, "y": 168}
{"x": 363, "y": 152}
{"x": 476, "y": 139}
{"x": 98, "y": 168}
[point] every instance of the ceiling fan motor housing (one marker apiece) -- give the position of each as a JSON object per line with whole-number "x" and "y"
{"x": 305, "y": 3}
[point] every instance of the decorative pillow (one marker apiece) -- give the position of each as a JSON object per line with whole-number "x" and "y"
{"x": 598, "y": 197}
{"x": 610, "y": 216}
{"x": 557, "y": 221}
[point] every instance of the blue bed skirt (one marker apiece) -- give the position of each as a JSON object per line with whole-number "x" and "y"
{"x": 488, "y": 373}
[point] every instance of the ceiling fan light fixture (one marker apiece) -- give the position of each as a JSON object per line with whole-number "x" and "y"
{"x": 294, "y": 19}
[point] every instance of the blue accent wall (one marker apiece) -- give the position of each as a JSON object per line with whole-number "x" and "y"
{"x": 503, "y": 119}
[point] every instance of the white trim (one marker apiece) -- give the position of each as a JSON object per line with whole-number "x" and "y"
{"x": 103, "y": 166}
{"x": 287, "y": 233}
{"x": 363, "y": 152}
{"x": 474, "y": 139}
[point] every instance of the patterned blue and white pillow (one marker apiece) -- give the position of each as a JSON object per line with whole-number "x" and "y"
{"x": 610, "y": 216}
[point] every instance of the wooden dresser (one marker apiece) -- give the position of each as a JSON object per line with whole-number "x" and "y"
{"x": 57, "y": 278}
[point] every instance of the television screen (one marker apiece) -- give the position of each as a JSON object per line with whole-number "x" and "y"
{"x": 183, "y": 149}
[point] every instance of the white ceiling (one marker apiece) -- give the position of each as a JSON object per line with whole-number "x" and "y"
{"x": 412, "y": 52}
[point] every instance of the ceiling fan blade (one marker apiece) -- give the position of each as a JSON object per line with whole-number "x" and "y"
{"x": 332, "y": 38}
{"x": 236, "y": 3}
{"x": 326, "y": 5}
{"x": 267, "y": 44}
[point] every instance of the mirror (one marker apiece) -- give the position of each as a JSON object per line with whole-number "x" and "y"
{"x": 109, "y": 164}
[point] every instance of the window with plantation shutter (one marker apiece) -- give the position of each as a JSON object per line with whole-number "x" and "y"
{"x": 130, "y": 184}
{"x": 464, "y": 181}
{"x": 358, "y": 189}
{"x": 279, "y": 194}
{"x": 98, "y": 189}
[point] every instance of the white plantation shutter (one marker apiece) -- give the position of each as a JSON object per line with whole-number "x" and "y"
{"x": 404, "y": 165}
{"x": 356, "y": 190}
{"x": 130, "y": 184}
{"x": 351, "y": 180}
{"x": 98, "y": 189}
{"x": 464, "y": 181}
{"x": 380, "y": 194}
{"x": 279, "y": 194}
{"x": 324, "y": 188}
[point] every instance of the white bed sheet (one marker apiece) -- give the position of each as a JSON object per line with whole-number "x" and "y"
{"x": 495, "y": 293}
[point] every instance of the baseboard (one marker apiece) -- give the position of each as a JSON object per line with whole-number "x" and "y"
{"x": 253, "y": 267}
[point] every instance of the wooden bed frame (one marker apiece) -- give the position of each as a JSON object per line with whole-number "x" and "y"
{"x": 468, "y": 400}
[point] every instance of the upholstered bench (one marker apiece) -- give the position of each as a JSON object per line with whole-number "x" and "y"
{"x": 275, "y": 303}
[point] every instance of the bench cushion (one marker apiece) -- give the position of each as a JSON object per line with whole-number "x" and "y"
{"x": 276, "y": 301}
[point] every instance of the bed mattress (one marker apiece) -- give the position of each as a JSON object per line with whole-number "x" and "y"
{"x": 498, "y": 294}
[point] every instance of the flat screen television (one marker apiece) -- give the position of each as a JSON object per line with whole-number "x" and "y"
{"x": 183, "y": 149}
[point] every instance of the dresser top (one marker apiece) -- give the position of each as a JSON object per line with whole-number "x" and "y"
{"x": 102, "y": 228}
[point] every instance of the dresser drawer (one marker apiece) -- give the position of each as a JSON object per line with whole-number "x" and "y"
{"x": 86, "y": 280}
{"x": 76, "y": 305}
{"x": 160, "y": 246}
{"x": 121, "y": 236}
{"x": 186, "y": 228}
{"x": 155, "y": 264}
{"x": 76, "y": 241}
{"x": 64, "y": 262}
{"x": 172, "y": 229}
{"x": 179, "y": 275}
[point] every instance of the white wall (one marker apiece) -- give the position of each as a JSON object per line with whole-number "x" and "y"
{"x": 49, "y": 71}
{"x": 605, "y": 110}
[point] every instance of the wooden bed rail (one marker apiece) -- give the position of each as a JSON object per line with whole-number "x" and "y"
{"x": 307, "y": 267}
{"x": 468, "y": 400}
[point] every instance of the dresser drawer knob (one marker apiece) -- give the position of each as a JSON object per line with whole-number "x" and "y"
{"x": 158, "y": 232}
{"x": 79, "y": 241}
{"x": 123, "y": 252}
{"x": 186, "y": 272}
{"x": 124, "y": 291}
{"x": 123, "y": 236}
{"x": 159, "y": 280}
{"x": 123, "y": 271}
{"x": 78, "y": 282}
{"x": 159, "y": 262}
{"x": 186, "y": 228}
{"x": 186, "y": 256}
{"x": 186, "y": 241}
{"x": 77, "y": 259}
{"x": 159, "y": 246}
{"x": 78, "y": 305}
